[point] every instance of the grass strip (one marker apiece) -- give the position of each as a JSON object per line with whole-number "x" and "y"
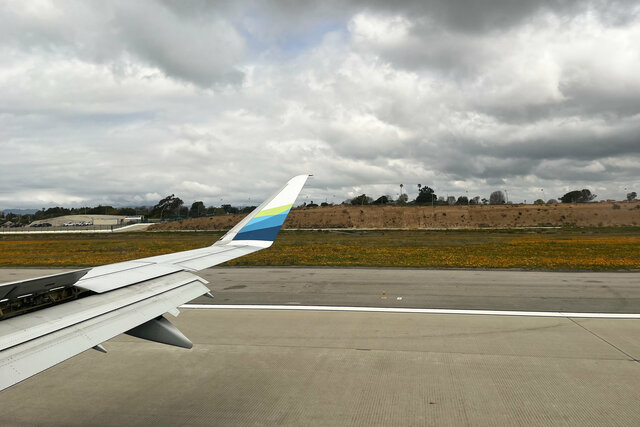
{"x": 559, "y": 249}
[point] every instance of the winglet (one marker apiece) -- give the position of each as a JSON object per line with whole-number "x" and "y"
{"x": 261, "y": 226}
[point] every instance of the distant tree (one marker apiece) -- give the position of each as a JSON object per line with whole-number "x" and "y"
{"x": 475, "y": 201}
{"x": 228, "y": 209}
{"x": 571, "y": 197}
{"x": 362, "y": 199}
{"x": 50, "y": 213}
{"x": 57, "y": 211}
{"x": 451, "y": 200}
{"x": 142, "y": 210}
{"x": 382, "y": 200}
{"x": 497, "y": 198}
{"x": 127, "y": 211}
{"x": 197, "y": 209}
{"x": 183, "y": 211}
{"x": 578, "y": 196}
{"x": 218, "y": 211}
{"x": 426, "y": 196}
{"x": 312, "y": 205}
{"x": 166, "y": 207}
{"x": 551, "y": 201}
{"x": 402, "y": 199}
{"x": 323, "y": 204}
{"x": 211, "y": 210}
{"x": 631, "y": 196}
{"x": 99, "y": 210}
{"x": 587, "y": 196}
{"x": 539, "y": 202}
{"x": 247, "y": 209}
{"x": 484, "y": 201}
{"x": 462, "y": 200}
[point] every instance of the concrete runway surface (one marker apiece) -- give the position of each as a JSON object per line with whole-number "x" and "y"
{"x": 254, "y": 367}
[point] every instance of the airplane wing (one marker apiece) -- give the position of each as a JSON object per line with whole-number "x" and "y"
{"x": 84, "y": 308}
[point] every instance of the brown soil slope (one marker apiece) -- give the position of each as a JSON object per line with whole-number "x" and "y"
{"x": 414, "y": 217}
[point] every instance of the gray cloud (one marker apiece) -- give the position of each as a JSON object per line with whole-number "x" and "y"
{"x": 205, "y": 50}
{"x": 202, "y": 51}
{"x": 124, "y": 102}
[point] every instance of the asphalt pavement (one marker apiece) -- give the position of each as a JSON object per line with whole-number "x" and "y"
{"x": 420, "y": 288}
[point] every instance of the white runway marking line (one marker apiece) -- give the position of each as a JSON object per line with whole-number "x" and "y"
{"x": 414, "y": 311}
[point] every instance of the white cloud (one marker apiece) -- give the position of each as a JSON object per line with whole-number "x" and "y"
{"x": 125, "y": 102}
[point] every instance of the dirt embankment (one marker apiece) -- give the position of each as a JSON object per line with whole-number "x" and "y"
{"x": 414, "y": 217}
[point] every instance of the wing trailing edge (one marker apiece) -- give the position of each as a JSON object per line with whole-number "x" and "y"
{"x": 32, "y": 344}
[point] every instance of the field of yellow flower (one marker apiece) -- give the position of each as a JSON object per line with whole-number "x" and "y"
{"x": 556, "y": 249}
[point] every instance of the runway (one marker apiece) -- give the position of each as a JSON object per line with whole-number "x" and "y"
{"x": 419, "y": 288}
{"x": 311, "y": 367}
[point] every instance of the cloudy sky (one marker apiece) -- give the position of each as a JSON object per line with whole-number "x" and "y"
{"x": 124, "y": 102}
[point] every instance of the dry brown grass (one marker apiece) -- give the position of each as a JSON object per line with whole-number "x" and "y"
{"x": 458, "y": 217}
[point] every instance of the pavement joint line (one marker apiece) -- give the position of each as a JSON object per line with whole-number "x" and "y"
{"x": 390, "y": 350}
{"x": 604, "y": 340}
{"x": 413, "y": 310}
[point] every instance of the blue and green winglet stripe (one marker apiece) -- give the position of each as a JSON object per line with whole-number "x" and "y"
{"x": 265, "y": 225}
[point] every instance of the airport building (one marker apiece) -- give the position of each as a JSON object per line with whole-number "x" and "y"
{"x": 107, "y": 221}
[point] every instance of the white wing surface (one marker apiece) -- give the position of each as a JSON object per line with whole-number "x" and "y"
{"x": 87, "y": 307}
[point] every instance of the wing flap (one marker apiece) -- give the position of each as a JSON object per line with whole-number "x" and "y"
{"x": 40, "y": 284}
{"x": 20, "y": 329}
{"x": 105, "y": 278}
{"x": 28, "y": 358}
